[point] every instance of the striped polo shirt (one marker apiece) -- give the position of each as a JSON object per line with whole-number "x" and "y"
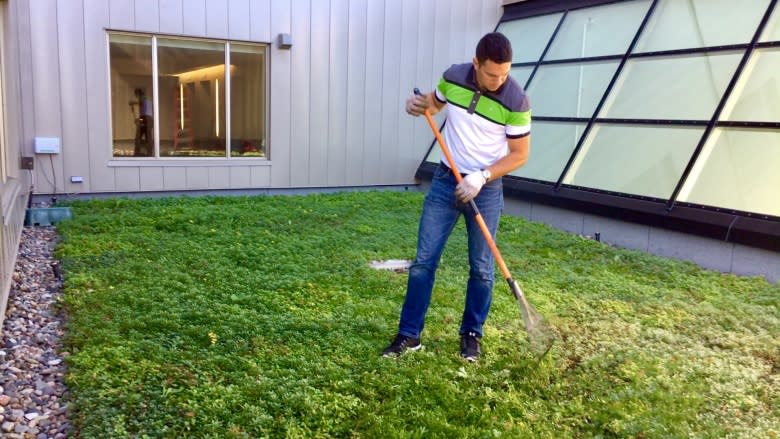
{"x": 479, "y": 123}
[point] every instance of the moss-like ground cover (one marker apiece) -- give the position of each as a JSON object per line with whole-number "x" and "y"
{"x": 260, "y": 317}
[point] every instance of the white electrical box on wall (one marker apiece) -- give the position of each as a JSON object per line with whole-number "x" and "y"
{"x": 47, "y": 145}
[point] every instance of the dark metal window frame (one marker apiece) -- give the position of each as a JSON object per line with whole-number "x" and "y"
{"x": 748, "y": 228}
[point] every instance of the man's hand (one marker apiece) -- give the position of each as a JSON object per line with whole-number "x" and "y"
{"x": 470, "y": 186}
{"x": 417, "y": 104}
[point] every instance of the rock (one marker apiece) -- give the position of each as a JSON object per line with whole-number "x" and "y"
{"x": 31, "y": 368}
{"x": 16, "y": 415}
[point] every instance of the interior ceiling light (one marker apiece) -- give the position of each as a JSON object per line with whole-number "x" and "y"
{"x": 205, "y": 73}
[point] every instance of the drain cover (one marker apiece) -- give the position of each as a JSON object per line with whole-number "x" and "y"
{"x": 397, "y": 265}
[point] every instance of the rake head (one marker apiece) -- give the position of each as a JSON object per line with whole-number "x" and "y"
{"x": 541, "y": 335}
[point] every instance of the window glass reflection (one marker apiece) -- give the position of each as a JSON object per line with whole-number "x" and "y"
{"x": 756, "y": 97}
{"x": 737, "y": 169}
{"x": 247, "y": 101}
{"x": 551, "y": 147}
{"x": 597, "y": 31}
{"x": 132, "y": 100}
{"x": 685, "y": 24}
{"x": 521, "y": 74}
{"x": 192, "y": 90}
{"x": 683, "y": 87}
{"x": 772, "y": 29}
{"x": 638, "y": 160}
{"x": 569, "y": 90}
{"x": 435, "y": 155}
{"x": 534, "y": 33}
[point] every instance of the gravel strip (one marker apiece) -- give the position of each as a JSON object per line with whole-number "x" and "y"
{"x": 32, "y": 369}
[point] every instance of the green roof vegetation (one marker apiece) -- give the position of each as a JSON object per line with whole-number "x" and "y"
{"x": 214, "y": 317}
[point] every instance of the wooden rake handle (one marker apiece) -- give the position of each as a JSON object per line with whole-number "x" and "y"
{"x": 478, "y": 216}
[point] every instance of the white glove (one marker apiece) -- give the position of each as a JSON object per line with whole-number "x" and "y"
{"x": 470, "y": 186}
{"x": 417, "y": 104}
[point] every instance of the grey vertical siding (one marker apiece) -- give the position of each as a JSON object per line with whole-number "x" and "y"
{"x": 14, "y": 187}
{"x": 281, "y": 102}
{"x": 301, "y": 87}
{"x": 357, "y": 48}
{"x": 47, "y": 120}
{"x": 338, "y": 83}
{"x": 97, "y": 16}
{"x": 73, "y": 92}
{"x": 171, "y": 16}
{"x": 336, "y": 98}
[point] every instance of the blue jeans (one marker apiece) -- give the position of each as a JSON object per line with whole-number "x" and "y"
{"x": 441, "y": 211}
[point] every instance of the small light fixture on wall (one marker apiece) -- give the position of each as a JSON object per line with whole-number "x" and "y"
{"x": 284, "y": 41}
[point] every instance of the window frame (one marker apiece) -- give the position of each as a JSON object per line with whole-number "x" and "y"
{"x": 157, "y": 159}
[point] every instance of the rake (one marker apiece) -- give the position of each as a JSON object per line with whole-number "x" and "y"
{"x": 540, "y": 334}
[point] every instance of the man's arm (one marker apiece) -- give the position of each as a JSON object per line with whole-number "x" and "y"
{"x": 518, "y": 155}
{"x": 471, "y": 184}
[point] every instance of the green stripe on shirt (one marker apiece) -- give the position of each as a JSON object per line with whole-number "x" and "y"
{"x": 488, "y": 108}
{"x": 456, "y": 94}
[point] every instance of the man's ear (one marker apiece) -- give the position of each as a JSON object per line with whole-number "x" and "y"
{"x": 475, "y": 61}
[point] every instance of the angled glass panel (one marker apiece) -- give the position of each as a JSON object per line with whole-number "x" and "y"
{"x": 597, "y": 31}
{"x": 772, "y": 29}
{"x": 683, "y": 87}
{"x": 521, "y": 74}
{"x": 551, "y": 147}
{"x": 685, "y": 24}
{"x": 569, "y": 90}
{"x": 191, "y": 84}
{"x": 756, "y": 98}
{"x": 529, "y": 36}
{"x": 737, "y": 169}
{"x": 638, "y": 160}
{"x": 132, "y": 109}
{"x": 435, "y": 155}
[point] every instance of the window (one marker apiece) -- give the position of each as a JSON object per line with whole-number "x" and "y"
{"x": 531, "y": 34}
{"x": 521, "y": 74}
{"x": 638, "y": 160}
{"x": 772, "y": 30}
{"x": 701, "y": 23}
{"x": 672, "y": 87}
{"x": 756, "y": 96}
{"x": 737, "y": 169}
{"x": 570, "y": 90}
{"x": 178, "y": 97}
{"x": 602, "y": 31}
{"x": 679, "y": 117}
{"x": 551, "y": 144}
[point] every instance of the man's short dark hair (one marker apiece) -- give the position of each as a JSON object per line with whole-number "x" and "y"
{"x": 495, "y": 47}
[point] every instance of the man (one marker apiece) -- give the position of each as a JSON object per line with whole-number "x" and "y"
{"x": 488, "y": 134}
{"x": 143, "y": 124}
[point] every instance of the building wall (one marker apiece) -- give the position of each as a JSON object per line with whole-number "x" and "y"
{"x": 712, "y": 254}
{"x": 14, "y": 182}
{"x": 336, "y": 97}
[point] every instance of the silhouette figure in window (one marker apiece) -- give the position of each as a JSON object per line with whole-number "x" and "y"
{"x": 144, "y": 125}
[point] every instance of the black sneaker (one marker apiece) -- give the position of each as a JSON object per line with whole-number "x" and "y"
{"x": 401, "y": 344}
{"x": 469, "y": 346}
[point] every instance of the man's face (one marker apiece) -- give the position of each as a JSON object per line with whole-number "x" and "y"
{"x": 490, "y": 75}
